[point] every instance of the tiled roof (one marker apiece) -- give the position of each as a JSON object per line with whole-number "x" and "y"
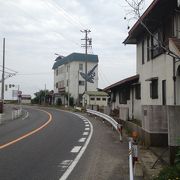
{"x": 96, "y": 93}
{"x": 74, "y": 57}
{"x": 156, "y": 11}
{"x": 129, "y": 80}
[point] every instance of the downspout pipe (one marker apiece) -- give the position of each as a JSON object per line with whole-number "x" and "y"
{"x": 174, "y": 79}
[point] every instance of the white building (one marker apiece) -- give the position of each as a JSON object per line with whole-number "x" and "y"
{"x": 25, "y": 99}
{"x": 158, "y": 71}
{"x": 95, "y": 98}
{"x": 69, "y": 74}
{"x": 126, "y": 98}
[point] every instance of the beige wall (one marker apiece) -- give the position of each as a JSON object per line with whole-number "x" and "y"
{"x": 161, "y": 67}
{"x": 95, "y": 101}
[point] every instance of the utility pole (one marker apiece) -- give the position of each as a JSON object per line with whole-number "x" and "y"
{"x": 68, "y": 82}
{"x": 45, "y": 94}
{"x": 88, "y": 43}
{"x": 2, "y": 88}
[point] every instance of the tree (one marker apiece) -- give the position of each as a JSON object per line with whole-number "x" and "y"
{"x": 135, "y": 12}
{"x": 40, "y": 96}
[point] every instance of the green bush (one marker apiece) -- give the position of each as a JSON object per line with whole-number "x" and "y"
{"x": 171, "y": 172}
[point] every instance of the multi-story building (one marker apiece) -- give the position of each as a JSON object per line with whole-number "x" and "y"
{"x": 157, "y": 38}
{"x": 69, "y": 76}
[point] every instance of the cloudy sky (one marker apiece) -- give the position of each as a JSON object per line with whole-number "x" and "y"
{"x": 37, "y": 29}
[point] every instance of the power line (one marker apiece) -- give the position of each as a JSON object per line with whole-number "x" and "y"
{"x": 31, "y": 74}
{"x": 9, "y": 69}
{"x": 66, "y": 15}
{"x": 40, "y": 22}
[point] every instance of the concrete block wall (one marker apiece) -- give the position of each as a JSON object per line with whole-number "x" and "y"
{"x": 124, "y": 113}
{"x": 173, "y": 116}
{"x": 154, "y": 119}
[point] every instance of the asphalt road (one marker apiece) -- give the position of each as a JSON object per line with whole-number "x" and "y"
{"x": 42, "y": 146}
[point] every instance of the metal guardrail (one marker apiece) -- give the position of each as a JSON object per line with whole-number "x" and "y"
{"x": 118, "y": 128}
{"x": 104, "y": 116}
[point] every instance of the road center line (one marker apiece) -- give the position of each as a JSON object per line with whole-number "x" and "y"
{"x": 30, "y": 133}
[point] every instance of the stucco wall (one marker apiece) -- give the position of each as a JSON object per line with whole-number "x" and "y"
{"x": 161, "y": 67}
{"x": 73, "y": 78}
{"x": 126, "y": 111}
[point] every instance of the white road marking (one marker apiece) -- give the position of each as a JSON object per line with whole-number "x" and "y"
{"x": 64, "y": 164}
{"x": 76, "y": 149}
{"x": 87, "y": 125}
{"x": 85, "y": 133}
{"x": 86, "y": 122}
{"x": 78, "y": 157}
{"x": 87, "y": 129}
{"x": 82, "y": 140}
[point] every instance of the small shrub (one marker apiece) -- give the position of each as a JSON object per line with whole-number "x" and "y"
{"x": 169, "y": 173}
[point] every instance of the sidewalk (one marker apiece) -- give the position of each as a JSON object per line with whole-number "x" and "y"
{"x": 152, "y": 165}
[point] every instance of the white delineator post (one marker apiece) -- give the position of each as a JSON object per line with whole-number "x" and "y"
{"x": 131, "y": 176}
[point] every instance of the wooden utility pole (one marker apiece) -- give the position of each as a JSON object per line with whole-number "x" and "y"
{"x": 2, "y": 88}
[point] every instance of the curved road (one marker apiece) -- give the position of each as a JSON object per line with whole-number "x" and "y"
{"x": 42, "y": 146}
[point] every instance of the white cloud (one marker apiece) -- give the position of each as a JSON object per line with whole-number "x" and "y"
{"x": 36, "y": 29}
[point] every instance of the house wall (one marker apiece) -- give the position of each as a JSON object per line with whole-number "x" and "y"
{"x": 60, "y": 77}
{"x": 73, "y": 76}
{"x": 161, "y": 67}
{"x": 74, "y": 67}
{"x": 95, "y": 101}
{"x": 177, "y": 65}
{"x": 131, "y": 110}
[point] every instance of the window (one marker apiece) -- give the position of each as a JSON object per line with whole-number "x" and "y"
{"x": 92, "y": 98}
{"x": 61, "y": 70}
{"x": 81, "y": 83}
{"x": 67, "y": 82}
{"x": 98, "y": 99}
{"x": 104, "y": 99}
{"x": 142, "y": 51}
{"x": 156, "y": 41}
{"x": 154, "y": 89}
{"x": 61, "y": 84}
{"x": 138, "y": 91}
{"x": 124, "y": 95}
{"x": 113, "y": 96}
{"x": 56, "y": 85}
{"x": 57, "y": 72}
{"x": 81, "y": 67}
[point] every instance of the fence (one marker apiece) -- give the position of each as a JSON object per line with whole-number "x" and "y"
{"x": 16, "y": 113}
